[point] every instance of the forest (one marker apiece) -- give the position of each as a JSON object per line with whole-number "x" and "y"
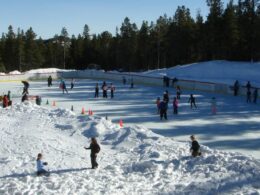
{"x": 228, "y": 32}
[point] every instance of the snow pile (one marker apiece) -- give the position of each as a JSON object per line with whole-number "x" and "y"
{"x": 213, "y": 71}
{"x": 47, "y": 70}
{"x": 15, "y": 72}
{"x": 133, "y": 160}
{"x": 2, "y": 73}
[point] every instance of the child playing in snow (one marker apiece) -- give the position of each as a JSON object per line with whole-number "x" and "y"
{"x": 40, "y": 165}
{"x": 175, "y": 106}
{"x": 213, "y": 105}
{"x": 195, "y": 147}
{"x": 94, "y": 150}
{"x": 158, "y": 104}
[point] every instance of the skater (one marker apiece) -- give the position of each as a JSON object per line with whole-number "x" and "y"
{"x": 248, "y": 96}
{"x": 38, "y": 100}
{"x": 112, "y": 90}
{"x": 166, "y": 96}
{"x": 236, "y": 88}
{"x": 63, "y": 86}
{"x": 158, "y": 101}
{"x": 124, "y": 80}
{"x": 255, "y": 95}
{"x": 175, "y": 105}
{"x": 213, "y": 105}
{"x": 72, "y": 83}
{"x": 26, "y": 87}
{"x": 178, "y": 92}
{"x": 95, "y": 148}
{"x": 163, "y": 109}
{"x": 49, "y": 81}
{"x": 96, "y": 91}
{"x": 174, "y": 80}
{"x": 192, "y": 101}
{"x": 40, "y": 166}
{"x": 195, "y": 147}
{"x": 104, "y": 88}
{"x": 5, "y": 101}
{"x": 132, "y": 83}
{"x": 248, "y": 86}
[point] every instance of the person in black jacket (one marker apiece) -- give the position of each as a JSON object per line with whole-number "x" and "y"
{"x": 192, "y": 101}
{"x": 94, "y": 148}
{"x": 96, "y": 91}
{"x": 195, "y": 147}
{"x": 163, "y": 106}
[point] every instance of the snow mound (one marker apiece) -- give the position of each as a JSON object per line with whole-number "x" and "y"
{"x": 213, "y": 71}
{"x": 47, "y": 70}
{"x": 133, "y": 160}
{"x": 15, "y": 72}
{"x": 2, "y": 73}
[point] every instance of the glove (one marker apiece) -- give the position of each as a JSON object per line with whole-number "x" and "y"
{"x": 45, "y": 163}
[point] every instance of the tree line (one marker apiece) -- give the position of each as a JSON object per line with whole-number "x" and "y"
{"x": 230, "y": 32}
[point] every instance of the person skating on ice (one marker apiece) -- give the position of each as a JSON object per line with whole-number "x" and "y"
{"x": 112, "y": 90}
{"x": 163, "y": 109}
{"x": 175, "y": 105}
{"x": 255, "y": 95}
{"x": 96, "y": 91}
{"x": 213, "y": 105}
{"x": 192, "y": 101}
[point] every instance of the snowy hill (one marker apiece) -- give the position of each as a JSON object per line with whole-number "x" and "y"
{"x": 133, "y": 160}
{"x": 214, "y": 71}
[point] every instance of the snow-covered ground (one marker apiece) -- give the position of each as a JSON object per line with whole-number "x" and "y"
{"x": 146, "y": 156}
{"x": 133, "y": 160}
{"x": 214, "y": 71}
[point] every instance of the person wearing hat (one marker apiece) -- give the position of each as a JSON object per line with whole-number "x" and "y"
{"x": 195, "y": 147}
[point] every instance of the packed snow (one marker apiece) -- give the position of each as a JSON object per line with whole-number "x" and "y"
{"x": 214, "y": 71}
{"x": 146, "y": 156}
{"x": 15, "y": 72}
{"x": 48, "y": 70}
{"x": 133, "y": 160}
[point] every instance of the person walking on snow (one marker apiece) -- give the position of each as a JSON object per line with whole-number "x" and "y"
{"x": 175, "y": 105}
{"x": 195, "y": 147}
{"x": 96, "y": 91}
{"x": 192, "y": 101}
{"x": 166, "y": 96}
{"x": 94, "y": 148}
{"x": 40, "y": 166}
{"x": 112, "y": 90}
{"x": 255, "y": 95}
{"x": 163, "y": 109}
{"x": 213, "y": 105}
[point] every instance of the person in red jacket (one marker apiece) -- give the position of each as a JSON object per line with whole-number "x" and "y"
{"x": 5, "y": 101}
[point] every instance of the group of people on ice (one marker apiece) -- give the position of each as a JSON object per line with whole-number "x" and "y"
{"x": 250, "y": 96}
{"x": 105, "y": 88}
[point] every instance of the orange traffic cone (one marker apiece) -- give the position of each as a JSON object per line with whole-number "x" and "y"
{"x": 53, "y": 103}
{"x": 121, "y": 123}
{"x": 83, "y": 110}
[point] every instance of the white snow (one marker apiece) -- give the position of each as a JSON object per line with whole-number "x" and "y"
{"x": 2, "y": 73}
{"x": 133, "y": 160}
{"x": 214, "y": 71}
{"x": 146, "y": 156}
{"x": 48, "y": 70}
{"x": 15, "y": 72}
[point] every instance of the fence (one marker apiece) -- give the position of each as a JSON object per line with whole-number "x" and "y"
{"x": 137, "y": 79}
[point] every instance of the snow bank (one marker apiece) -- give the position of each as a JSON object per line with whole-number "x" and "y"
{"x": 133, "y": 160}
{"x": 2, "y": 73}
{"x": 15, "y": 72}
{"x": 213, "y": 71}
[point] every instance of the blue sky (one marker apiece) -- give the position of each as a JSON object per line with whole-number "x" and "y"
{"x": 47, "y": 17}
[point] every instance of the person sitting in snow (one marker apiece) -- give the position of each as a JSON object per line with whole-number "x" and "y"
{"x": 25, "y": 97}
{"x": 40, "y": 166}
{"x": 195, "y": 147}
{"x": 94, "y": 148}
{"x": 5, "y": 101}
{"x": 38, "y": 100}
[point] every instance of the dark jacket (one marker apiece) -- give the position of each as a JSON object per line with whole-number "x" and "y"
{"x": 195, "y": 146}
{"x": 95, "y": 148}
{"x": 163, "y": 105}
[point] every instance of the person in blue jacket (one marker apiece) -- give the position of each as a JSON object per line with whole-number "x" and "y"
{"x": 40, "y": 166}
{"x": 163, "y": 109}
